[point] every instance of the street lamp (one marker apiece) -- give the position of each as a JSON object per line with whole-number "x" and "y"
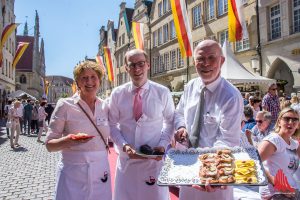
{"x": 255, "y": 64}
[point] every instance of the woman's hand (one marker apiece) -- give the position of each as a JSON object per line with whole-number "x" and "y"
{"x": 208, "y": 188}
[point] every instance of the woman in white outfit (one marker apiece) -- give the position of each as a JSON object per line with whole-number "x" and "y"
{"x": 15, "y": 124}
{"x": 83, "y": 172}
{"x": 41, "y": 121}
{"x": 275, "y": 150}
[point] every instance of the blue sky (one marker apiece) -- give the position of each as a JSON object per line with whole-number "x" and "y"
{"x": 70, "y": 28}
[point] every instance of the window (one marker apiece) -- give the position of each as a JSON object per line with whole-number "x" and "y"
{"x": 166, "y": 32}
{"x": 159, "y": 36}
{"x": 123, "y": 38}
{"x": 242, "y": 45}
{"x": 179, "y": 58}
{"x": 223, "y": 36}
{"x": 161, "y": 64}
{"x": 154, "y": 40}
{"x": 196, "y": 18}
{"x": 296, "y": 17}
{"x": 120, "y": 41}
{"x": 275, "y": 22}
{"x": 172, "y": 30}
{"x": 155, "y": 63}
{"x": 167, "y": 61}
{"x": 210, "y": 9}
{"x": 22, "y": 78}
{"x": 173, "y": 59}
{"x": 196, "y": 43}
{"x": 165, "y": 5}
{"x": 222, "y": 7}
{"x": 159, "y": 9}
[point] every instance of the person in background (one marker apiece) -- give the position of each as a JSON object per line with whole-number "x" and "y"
{"x": 274, "y": 152}
{"x": 41, "y": 120}
{"x": 262, "y": 128}
{"x": 21, "y": 115}
{"x": 49, "y": 110}
{"x": 295, "y": 103}
{"x": 7, "y": 107}
{"x": 27, "y": 116}
{"x": 221, "y": 115}
{"x": 255, "y": 105}
{"x": 83, "y": 171}
{"x": 285, "y": 104}
{"x": 246, "y": 98}
{"x": 249, "y": 122}
{"x": 140, "y": 113}
{"x": 270, "y": 102}
{"x": 13, "y": 116}
{"x": 35, "y": 118}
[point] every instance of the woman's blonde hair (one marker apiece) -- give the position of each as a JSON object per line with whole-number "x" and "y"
{"x": 285, "y": 104}
{"x": 285, "y": 110}
{"x": 88, "y": 65}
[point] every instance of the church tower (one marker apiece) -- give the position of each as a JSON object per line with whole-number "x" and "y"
{"x": 25, "y": 33}
{"x": 35, "y": 63}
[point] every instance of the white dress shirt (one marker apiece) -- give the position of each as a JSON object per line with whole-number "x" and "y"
{"x": 223, "y": 112}
{"x": 222, "y": 124}
{"x": 155, "y": 127}
{"x": 68, "y": 118}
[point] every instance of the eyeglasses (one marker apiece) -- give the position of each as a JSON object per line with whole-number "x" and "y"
{"x": 139, "y": 64}
{"x": 259, "y": 121}
{"x": 290, "y": 119}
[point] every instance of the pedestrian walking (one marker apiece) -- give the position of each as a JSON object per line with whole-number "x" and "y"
{"x": 15, "y": 124}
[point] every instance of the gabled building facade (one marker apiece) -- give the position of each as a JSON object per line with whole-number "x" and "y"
{"x": 30, "y": 70}
{"x": 123, "y": 43}
{"x": 59, "y": 87}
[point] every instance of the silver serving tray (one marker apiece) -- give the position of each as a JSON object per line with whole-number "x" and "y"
{"x": 182, "y": 167}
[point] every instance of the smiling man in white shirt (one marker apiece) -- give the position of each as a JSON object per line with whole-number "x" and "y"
{"x": 141, "y": 112}
{"x": 220, "y": 114}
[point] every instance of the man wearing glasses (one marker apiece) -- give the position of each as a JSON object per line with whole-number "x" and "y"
{"x": 219, "y": 107}
{"x": 141, "y": 112}
{"x": 270, "y": 102}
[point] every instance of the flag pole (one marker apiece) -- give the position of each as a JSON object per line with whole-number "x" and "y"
{"x": 258, "y": 47}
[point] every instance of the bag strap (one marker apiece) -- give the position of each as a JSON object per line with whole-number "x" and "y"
{"x": 106, "y": 145}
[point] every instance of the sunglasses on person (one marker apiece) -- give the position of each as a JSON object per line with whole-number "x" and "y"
{"x": 290, "y": 119}
{"x": 259, "y": 121}
{"x": 273, "y": 89}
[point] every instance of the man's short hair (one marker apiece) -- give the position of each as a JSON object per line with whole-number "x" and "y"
{"x": 248, "y": 112}
{"x": 135, "y": 52}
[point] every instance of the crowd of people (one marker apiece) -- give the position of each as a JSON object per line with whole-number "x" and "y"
{"x": 26, "y": 117}
{"x": 211, "y": 113}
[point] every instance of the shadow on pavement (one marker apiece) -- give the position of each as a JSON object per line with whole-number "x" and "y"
{"x": 3, "y": 140}
{"x": 20, "y": 149}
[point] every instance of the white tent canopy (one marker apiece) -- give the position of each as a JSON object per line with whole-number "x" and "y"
{"x": 21, "y": 94}
{"x": 233, "y": 71}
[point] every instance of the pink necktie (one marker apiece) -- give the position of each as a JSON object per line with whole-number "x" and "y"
{"x": 137, "y": 104}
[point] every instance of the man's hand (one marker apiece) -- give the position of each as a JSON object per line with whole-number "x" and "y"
{"x": 181, "y": 135}
{"x": 159, "y": 151}
{"x": 131, "y": 152}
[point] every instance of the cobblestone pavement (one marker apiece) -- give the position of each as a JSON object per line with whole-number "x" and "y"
{"x": 27, "y": 172}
